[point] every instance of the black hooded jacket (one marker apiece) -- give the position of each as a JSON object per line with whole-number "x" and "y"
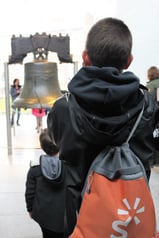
{"x": 100, "y": 110}
{"x": 44, "y": 194}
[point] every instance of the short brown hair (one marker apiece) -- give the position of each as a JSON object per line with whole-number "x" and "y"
{"x": 46, "y": 143}
{"x": 109, "y": 43}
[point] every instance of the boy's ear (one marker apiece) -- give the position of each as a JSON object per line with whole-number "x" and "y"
{"x": 129, "y": 61}
{"x": 86, "y": 60}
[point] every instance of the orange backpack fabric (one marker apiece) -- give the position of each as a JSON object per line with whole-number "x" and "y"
{"x": 117, "y": 202}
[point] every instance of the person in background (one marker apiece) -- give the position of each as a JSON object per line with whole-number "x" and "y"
{"x": 103, "y": 102}
{"x": 153, "y": 82}
{"x": 153, "y": 88}
{"x": 45, "y": 197}
{"x": 15, "y": 91}
{"x": 39, "y": 113}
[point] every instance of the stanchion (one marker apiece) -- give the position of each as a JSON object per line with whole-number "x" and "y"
{"x": 7, "y": 105}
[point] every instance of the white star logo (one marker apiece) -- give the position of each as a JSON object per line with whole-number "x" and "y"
{"x": 135, "y": 207}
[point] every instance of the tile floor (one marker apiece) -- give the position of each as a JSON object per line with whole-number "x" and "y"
{"x": 14, "y": 220}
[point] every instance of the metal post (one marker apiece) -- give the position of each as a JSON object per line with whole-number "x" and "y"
{"x": 7, "y": 105}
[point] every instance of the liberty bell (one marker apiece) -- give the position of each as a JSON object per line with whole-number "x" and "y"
{"x": 41, "y": 86}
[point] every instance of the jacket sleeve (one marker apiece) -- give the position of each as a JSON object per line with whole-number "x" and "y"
{"x": 30, "y": 189}
{"x": 13, "y": 92}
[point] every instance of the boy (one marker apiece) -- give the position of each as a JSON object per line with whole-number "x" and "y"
{"x": 104, "y": 102}
{"x": 44, "y": 193}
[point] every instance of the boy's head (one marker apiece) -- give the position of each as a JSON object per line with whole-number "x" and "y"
{"x": 46, "y": 144}
{"x": 108, "y": 44}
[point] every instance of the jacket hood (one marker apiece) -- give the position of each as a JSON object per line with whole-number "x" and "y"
{"x": 104, "y": 104}
{"x": 103, "y": 85}
{"x": 51, "y": 168}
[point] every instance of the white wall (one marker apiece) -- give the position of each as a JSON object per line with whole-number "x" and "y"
{"x": 71, "y": 17}
{"x": 142, "y": 18}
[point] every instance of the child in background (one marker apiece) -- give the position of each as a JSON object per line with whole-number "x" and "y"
{"x": 44, "y": 196}
{"x": 39, "y": 113}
